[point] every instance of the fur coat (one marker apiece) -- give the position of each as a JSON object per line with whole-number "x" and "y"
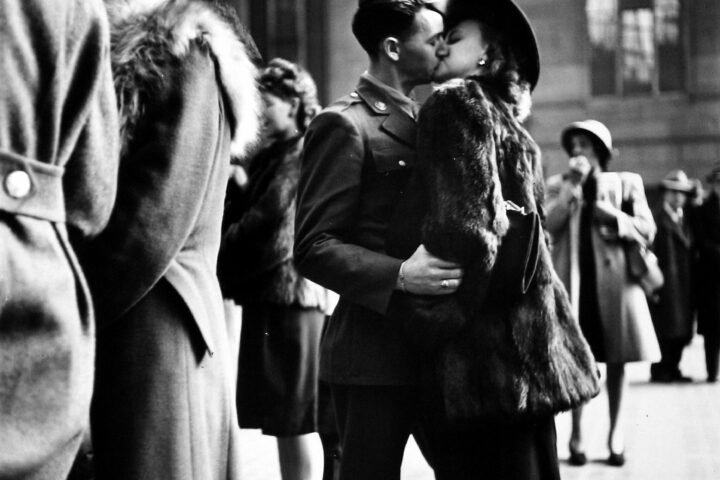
{"x": 496, "y": 358}
{"x": 256, "y": 254}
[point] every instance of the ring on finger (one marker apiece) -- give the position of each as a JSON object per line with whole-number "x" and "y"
{"x": 444, "y": 284}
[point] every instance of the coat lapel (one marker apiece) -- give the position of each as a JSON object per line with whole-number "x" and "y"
{"x": 397, "y": 123}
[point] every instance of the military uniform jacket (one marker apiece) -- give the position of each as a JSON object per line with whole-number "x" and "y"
{"x": 358, "y": 156}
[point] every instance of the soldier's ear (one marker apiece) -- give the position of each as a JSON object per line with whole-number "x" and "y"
{"x": 391, "y": 48}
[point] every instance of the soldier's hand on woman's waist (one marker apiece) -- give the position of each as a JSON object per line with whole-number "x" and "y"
{"x": 425, "y": 274}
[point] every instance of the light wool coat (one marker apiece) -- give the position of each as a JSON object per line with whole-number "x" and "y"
{"x": 58, "y": 170}
{"x": 624, "y": 313}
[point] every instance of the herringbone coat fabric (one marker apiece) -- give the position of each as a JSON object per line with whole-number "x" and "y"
{"x": 164, "y": 399}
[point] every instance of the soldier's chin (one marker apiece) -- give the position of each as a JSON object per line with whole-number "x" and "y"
{"x": 441, "y": 75}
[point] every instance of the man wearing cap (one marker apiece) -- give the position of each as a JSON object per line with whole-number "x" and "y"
{"x": 673, "y": 311}
{"x": 358, "y": 156}
{"x": 707, "y": 241}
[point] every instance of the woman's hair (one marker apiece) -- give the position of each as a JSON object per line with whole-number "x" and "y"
{"x": 288, "y": 81}
{"x": 503, "y": 71}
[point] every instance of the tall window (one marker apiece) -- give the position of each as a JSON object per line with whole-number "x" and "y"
{"x": 637, "y": 46}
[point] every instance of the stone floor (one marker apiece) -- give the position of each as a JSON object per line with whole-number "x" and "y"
{"x": 673, "y": 433}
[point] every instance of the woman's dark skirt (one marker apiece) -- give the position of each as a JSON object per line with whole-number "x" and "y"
{"x": 277, "y": 387}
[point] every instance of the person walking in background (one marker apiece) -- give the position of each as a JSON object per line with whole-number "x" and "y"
{"x": 590, "y": 214}
{"x": 358, "y": 156}
{"x": 673, "y": 310}
{"x": 58, "y": 175}
{"x": 706, "y": 223}
{"x": 282, "y": 312}
{"x": 501, "y": 358}
{"x": 163, "y": 406}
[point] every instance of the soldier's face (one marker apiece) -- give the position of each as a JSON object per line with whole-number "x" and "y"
{"x": 417, "y": 60}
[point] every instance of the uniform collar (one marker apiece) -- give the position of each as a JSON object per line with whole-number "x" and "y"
{"x": 379, "y": 99}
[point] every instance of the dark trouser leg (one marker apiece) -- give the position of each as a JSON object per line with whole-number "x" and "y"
{"x": 375, "y": 423}
{"x": 712, "y": 357}
{"x": 332, "y": 455}
{"x": 500, "y": 452}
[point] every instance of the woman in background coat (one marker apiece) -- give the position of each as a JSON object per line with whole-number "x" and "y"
{"x": 58, "y": 170}
{"x": 282, "y": 312}
{"x": 590, "y": 213}
{"x": 163, "y": 405}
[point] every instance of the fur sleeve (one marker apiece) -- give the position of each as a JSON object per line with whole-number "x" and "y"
{"x": 457, "y": 157}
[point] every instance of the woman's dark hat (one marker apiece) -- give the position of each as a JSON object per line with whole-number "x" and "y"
{"x": 677, "y": 181}
{"x": 509, "y": 20}
{"x": 595, "y": 129}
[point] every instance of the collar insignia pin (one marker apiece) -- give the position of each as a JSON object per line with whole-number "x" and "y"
{"x": 382, "y": 106}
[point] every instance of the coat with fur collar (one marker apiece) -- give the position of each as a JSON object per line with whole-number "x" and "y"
{"x": 495, "y": 357}
{"x": 256, "y": 257}
{"x": 187, "y": 99}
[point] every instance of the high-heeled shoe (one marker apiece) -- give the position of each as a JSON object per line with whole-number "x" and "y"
{"x": 577, "y": 458}
{"x": 616, "y": 459}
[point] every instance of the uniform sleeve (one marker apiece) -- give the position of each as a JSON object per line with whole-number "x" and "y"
{"x": 163, "y": 181}
{"x": 329, "y": 199}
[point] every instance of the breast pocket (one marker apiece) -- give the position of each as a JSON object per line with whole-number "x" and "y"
{"x": 391, "y": 156}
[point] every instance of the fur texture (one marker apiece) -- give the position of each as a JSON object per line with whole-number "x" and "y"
{"x": 256, "y": 257}
{"x": 502, "y": 359}
{"x": 148, "y": 34}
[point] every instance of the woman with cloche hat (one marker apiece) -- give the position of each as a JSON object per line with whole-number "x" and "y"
{"x": 591, "y": 213}
{"x": 707, "y": 233}
{"x": 503, "y": 360}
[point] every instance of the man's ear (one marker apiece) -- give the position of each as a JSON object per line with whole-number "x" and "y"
{"x": 391, "y": 48}
{"x": 294, "y": 105}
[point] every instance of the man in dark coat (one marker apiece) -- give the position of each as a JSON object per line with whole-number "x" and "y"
{"x": 706, "y": 221}
{"x": 164, "y": 398}
{"x": 357, "y": 159}
{"x": 58, "y": 171}
{"x": 673, "y": 311}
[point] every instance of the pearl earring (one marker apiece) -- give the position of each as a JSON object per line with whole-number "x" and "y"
{"x": 482, "y": 62}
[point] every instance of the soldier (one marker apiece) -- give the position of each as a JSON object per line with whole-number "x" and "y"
{"x": 357, "y": 159}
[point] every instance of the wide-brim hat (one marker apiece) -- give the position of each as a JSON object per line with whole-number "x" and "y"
{"x": 595, "y": 129}
{"x": 678, "y": 181}
{"x": 507, "y": 18}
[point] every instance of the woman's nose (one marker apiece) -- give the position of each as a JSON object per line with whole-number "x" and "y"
{"x": 442, "y": 50}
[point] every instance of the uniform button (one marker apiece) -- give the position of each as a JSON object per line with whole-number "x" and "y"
{"x": 382, "y": 106}
{"x": 402, "y": 163}
{"x": 354, "y": 94}
{"x": 18, "y": 184}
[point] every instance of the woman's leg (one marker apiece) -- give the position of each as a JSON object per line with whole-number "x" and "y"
{"x": 300, "y": 457}
{"x": 616, "y": 385}
{"x": 576, "y": 437}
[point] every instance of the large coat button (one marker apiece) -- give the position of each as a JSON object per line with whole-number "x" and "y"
{"x": 18, "y": 184}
